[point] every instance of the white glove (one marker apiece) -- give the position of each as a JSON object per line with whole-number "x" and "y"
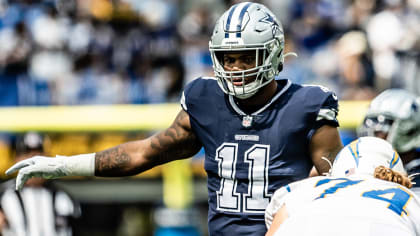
{"x": 50, "y": 168}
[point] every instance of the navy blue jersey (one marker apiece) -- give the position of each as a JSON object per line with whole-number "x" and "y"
{"x": 249, "y": 156}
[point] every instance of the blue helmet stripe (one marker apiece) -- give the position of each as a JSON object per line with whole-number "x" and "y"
{"x": 357, "y": 150}
{"x": 354, "y": 156}
{"x": 241, "y": 17}
{"x": 228, "y": 21}
{"x": 354, "y": 150}
{"x": 394, "y": 160}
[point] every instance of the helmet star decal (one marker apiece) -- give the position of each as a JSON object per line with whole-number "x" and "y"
{"x": 268, "y": 19}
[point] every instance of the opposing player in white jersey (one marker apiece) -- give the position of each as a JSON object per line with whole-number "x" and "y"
{"x": 349, "y": 201}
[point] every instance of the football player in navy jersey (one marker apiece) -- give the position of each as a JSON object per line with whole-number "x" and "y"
{"x": 258, "y": 133}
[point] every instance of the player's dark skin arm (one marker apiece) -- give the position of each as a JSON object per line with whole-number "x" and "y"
{"x": 176, "y": 142}
{"x": 326, "y": 142}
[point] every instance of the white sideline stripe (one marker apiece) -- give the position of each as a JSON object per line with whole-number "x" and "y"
{"x": 10, "y": 204}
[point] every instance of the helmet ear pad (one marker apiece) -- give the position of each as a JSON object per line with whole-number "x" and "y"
{"x": 280, "y": 57}
{"x": 280, "y": 67}
{"x": 277, "y": 55}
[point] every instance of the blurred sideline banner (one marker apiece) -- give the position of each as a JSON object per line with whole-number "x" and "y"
{"x": 91, "y": 118}
{"x": 87, "y": 118}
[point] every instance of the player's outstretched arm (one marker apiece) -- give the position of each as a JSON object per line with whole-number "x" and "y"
{"x": 176, "y": 142}
{"x": 326, "y": 142}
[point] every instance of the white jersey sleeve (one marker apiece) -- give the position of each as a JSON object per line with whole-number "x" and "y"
{"x": 279, "y": 197}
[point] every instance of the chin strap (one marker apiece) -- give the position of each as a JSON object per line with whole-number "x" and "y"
{"x": 290, "y": 54}
{"x": 330, "y": 164}
{"x": 411, "y": 177}
{"x": 280, "y": 67}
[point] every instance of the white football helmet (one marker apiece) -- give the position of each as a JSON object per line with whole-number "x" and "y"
{"x": 247, "y": 26}
{"x": 396, "y": 113}
{"x": 363, "y": 155}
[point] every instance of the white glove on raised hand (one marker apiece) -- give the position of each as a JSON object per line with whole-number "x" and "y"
{"x": 50, "y": 168}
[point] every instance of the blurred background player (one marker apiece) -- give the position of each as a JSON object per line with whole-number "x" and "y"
{"x": 350, "y": 196}
{"x": 39, "y": 209}
{"x": 394, "y": 115}
{"x": 259, "y": 132}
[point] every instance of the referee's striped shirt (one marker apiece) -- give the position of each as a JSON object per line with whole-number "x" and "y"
{"x": 37, "y": 211}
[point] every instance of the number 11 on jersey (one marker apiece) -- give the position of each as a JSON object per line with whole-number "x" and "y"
{"x": 257, "y": 197}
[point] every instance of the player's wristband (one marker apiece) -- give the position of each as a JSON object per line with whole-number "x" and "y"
{"x": 79, "y": 165}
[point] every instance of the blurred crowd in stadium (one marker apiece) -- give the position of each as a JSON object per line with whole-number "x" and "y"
{"x": 76, "y": 52}
{"x": 57, "y": 52}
